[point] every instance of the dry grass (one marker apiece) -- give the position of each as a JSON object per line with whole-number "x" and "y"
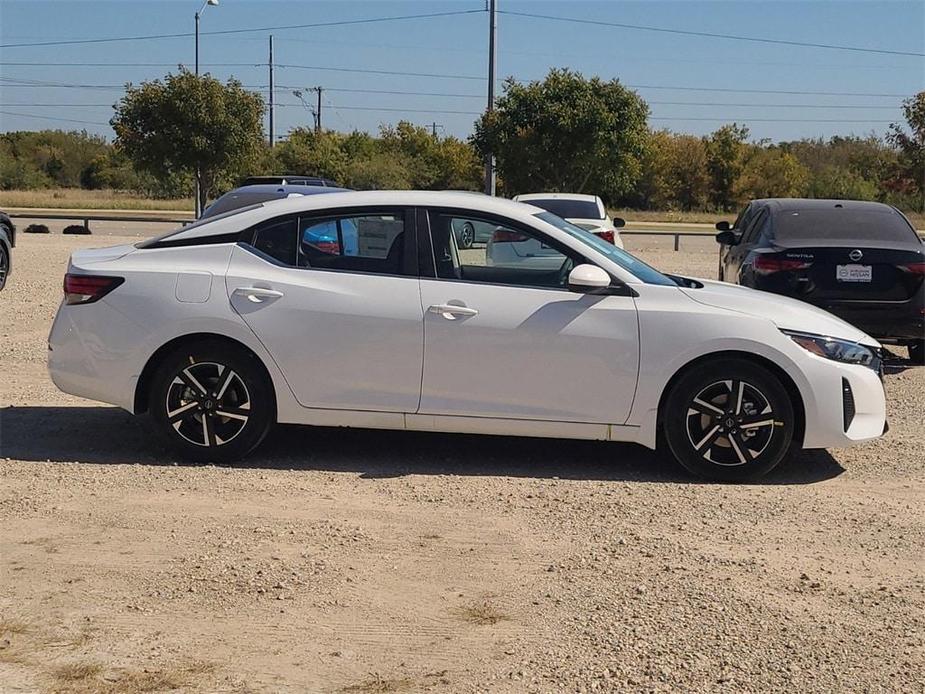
{"x": 481, "y": 613}
{"x": 76, "y": 672}
{"x": 13, "y": 625}
{"x": 79, "y": 199}
{"x": 377, "y": 683}
{"x": 89, "y": 678}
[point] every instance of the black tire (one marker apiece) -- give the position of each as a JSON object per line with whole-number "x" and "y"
{"x": 917, "y": 352}
{"x": 713, "y": 436}
{"x": 191, "y": 419}
{"x": 466, "y": 235}
{"x": 4, "y": 265}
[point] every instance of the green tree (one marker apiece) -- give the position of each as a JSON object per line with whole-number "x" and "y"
{"x": 567, "y": 134}
{"x": 770, "y": 172}
{"x": 312, "y": 154}
{"x": 688, "y": 172}
{"x": 909, "y": 176}
{"x": 653, "y": 188}
{"x": 726, "y": 150}
{"x": 190, "y": 125}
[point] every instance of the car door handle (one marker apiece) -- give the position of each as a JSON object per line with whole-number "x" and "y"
{"x": 450, "y": 311}
{"x": 258, "y": 295}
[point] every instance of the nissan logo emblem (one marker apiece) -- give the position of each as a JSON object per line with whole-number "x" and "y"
{"x": 855, "y": 255}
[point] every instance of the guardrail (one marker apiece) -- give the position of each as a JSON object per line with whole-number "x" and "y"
{"x": 677, "y": 235}
{"x": 86, "y": 219}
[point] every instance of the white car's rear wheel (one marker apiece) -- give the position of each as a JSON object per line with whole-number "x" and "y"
{"x": 211, "y": 401}
{"x": 729, "y": 420}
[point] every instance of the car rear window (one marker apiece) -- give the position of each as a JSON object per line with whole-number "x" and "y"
{"x": 842, "y": 223}
{"x": 580, "y": 209}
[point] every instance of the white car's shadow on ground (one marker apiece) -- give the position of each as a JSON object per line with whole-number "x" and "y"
{"x": 107, "y": 435}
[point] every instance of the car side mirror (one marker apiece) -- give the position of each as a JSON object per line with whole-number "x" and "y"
{"x": 723, "y": 226}
{"x": 727, "y": 238}
{"x": 587, "y": 278}
{"x": 619, "y": 223}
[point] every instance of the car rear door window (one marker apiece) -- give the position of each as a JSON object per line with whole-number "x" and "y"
{"x": 277, "y": 239}
{"x": 365, "y": 242}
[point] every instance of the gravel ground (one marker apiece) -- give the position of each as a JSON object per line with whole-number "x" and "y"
{"x": 362, "y": 561}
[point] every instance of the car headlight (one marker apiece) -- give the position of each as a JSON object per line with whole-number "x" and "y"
{"x": 832, "y": 348}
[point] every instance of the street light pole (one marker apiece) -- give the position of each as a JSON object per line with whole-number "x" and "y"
{"x": 198, "y": 14}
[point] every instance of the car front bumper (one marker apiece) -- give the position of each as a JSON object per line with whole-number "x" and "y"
{"x": 847, "y": 406}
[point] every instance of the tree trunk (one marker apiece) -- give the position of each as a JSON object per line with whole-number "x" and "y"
{"x": 204, "y": 184}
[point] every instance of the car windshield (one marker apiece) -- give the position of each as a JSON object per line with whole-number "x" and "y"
{"x": 842, "y": 224}
{"x": 628, "y": 262}
{"x": 568, "y": 209}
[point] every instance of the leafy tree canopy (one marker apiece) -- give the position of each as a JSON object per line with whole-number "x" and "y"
{"x": 190, "y": 125}
{"x": 565, "y": 134}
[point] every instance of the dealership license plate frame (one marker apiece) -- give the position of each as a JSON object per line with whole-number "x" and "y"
{"x": 854, "y": 273}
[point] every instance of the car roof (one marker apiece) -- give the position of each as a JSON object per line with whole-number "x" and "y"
{"x": 339, "y": 200}
{"x": 793, "y": 204}
{"x": 285, "y": 188}
{"x": 583, "y": 197}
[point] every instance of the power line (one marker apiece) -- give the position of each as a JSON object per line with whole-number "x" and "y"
{"x": 746, "y": 121}
{"x": 380, "y": 72}
{"x": 763, "y": 91}
{"x": 720, "y": 119}
{"x": 345, "y": 22}
{"x": 4, "y": 83}
{"x": 706, "y": 34}
{"x": 650, "y": 103}
{"x": 65, "y": 120}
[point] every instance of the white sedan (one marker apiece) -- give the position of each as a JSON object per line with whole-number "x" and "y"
{"x": 222, "y": 328}
{"x": 585, "y": 211}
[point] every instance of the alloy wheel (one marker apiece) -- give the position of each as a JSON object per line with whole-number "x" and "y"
{"x": 730, "y": 422}
{"x": 208, "y": 404}
{"x": 467, "y": 236}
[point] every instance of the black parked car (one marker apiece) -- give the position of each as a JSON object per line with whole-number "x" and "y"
{"x": 287, "y": 180}
{"x": 256, "y": 194}
{"x": 862, "y": 261}
{"x": 7, "y": 242}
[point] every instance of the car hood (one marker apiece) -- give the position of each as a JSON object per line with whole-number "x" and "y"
{"x": 784, "y": 312}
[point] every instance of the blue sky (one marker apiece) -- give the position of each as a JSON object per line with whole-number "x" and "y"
{"x": 457, "y": 45}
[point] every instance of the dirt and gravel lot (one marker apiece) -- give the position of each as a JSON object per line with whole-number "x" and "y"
{"x": 361, "y": 561}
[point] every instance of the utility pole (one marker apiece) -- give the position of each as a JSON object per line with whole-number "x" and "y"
{"x": 272, "y": 109}
{"x": 433, "y": 128}
{"x": 198, "y": 14}
{"x": 490, "y": 180}
{"x": 318, "y": 90}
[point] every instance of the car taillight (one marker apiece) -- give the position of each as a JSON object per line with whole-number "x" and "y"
{"x": 85, "y": 289}
{"x": 914, "y": 268}
{"x": 506, "y": 236}
{"x": 768, "y": 265}
{"x": 605, "y": 234}
{"x": 331, "y": 247}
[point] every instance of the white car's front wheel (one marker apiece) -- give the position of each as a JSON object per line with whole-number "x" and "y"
{"x": 729, "y": 420}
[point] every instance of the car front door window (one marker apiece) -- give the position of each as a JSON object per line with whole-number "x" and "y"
{"x": 513, "y": 255}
